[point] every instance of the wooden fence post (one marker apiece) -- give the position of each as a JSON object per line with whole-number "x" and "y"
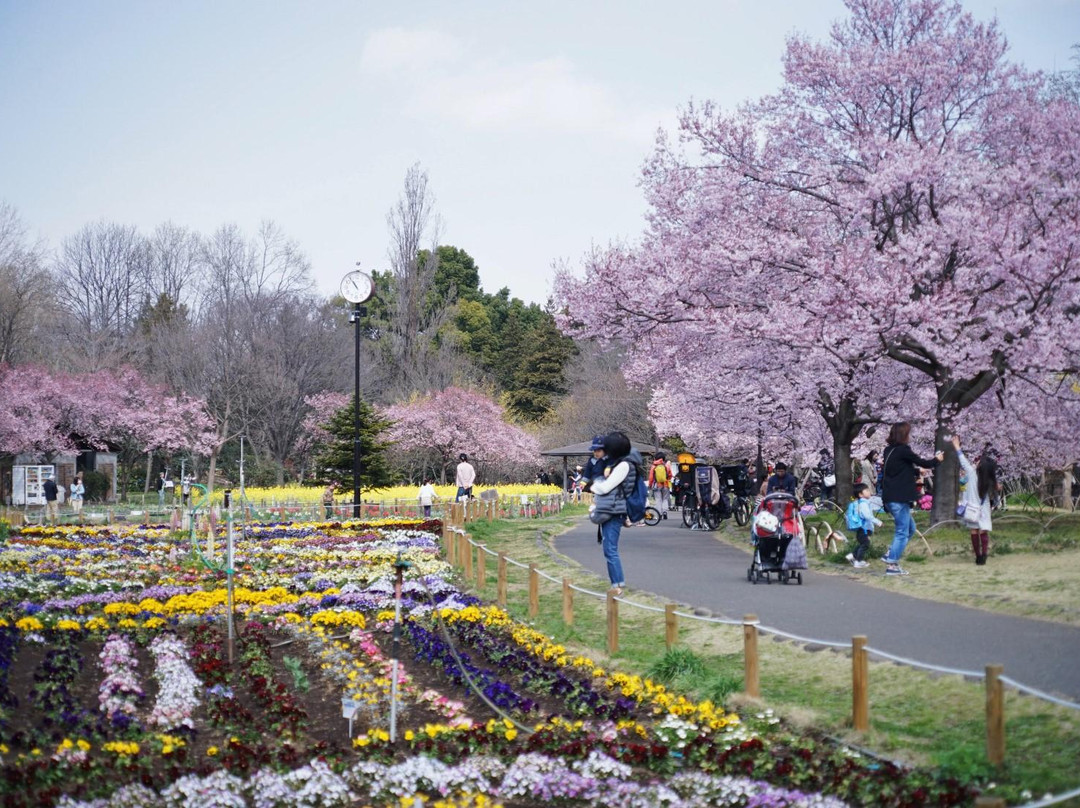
{"x": 491, "y": 510}
{"x": 481, "y": 566}
{"x": 860, "y": 684}
{"x": 534, "y": 591}
{"x": 466, "y": 545}
{"x": 567, "y": 602}
{"x": 995, "y": 716}
{"x": 750, "y": 656}
{"x": 671, "y": 626}
{"x": 500, "y": 585}
{"x": 612, "y": 623}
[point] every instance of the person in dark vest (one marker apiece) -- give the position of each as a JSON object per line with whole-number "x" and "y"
{"x": 898, "y": 478}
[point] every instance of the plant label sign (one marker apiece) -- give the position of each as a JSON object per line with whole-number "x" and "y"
{"x": 348, "y": 708}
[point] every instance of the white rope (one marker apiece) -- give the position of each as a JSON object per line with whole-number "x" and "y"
{"x": 1026, "y": 689}
{"x": 797, "y": 638}
{"x": 925, "y": 666}
{"x": 549, "y": 577}
{"x": 1053, "y": 799}
{"x": 721, "y": 620}
{"x": 639, "y": 605}
{"x": 517, "y": 563}
{"x": 587, "y": 591}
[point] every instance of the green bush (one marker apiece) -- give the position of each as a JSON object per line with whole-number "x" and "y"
{"x": 97, "y": 486}
{"x": 677, "y": 663}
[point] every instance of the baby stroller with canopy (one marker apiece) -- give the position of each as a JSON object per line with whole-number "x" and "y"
{"x": 779, "y": 540}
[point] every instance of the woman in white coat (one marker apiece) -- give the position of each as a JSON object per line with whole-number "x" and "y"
{"x": 980, "y": 485}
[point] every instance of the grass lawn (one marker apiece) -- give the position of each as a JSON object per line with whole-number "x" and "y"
{"x": 1033, "y": 569}
{"x": 921, "y": 719}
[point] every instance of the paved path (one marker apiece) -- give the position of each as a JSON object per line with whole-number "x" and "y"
{"x": 694, "y": 567}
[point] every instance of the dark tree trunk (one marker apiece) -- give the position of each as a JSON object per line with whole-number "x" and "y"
{"x": 844, "y": 425}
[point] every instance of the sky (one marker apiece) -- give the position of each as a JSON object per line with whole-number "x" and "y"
{"x": 532, "y": 120}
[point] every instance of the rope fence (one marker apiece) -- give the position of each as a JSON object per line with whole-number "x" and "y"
{"x": 459, "y": 549}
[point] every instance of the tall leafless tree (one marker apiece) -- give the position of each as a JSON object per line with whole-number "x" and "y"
{"x": 102, "y": 281}
{"x": 25, "y": 293}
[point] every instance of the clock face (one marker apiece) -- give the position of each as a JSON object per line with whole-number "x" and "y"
{"x": 356, "y": 287}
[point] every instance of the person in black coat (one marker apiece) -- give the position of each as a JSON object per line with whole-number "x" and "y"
{"x": 898, "y": 478}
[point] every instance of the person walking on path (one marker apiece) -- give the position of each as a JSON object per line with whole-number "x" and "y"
{"x": 621, "y": 477}
{"x": 861, "y": 519}
{"x": 427, "y": 497}
{"x": 328, "y": 500}
{"x": 980, "y": 483}
{"x": 161, "y": 490}
{"x": 465, "y": 477}
{"x": 52, "y": 504}
{"x": 898, "y": 490}
{"x": 78, "y": 491}
{"x": 660, "y": 483}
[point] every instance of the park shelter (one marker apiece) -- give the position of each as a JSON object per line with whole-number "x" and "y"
{"x": 584, "y": 449}
{"x": 64, "y": 466}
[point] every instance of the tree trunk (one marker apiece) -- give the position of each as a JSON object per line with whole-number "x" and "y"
{"x": 213, "y": 470}
{"x": 279, "y": 474}
{"x": 149, "y": 473}
{"x": 844, "y": 426}
{"x": 946, "y": 476}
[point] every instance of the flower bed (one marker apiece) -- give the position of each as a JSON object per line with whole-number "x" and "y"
{"x": 116, "y": 688}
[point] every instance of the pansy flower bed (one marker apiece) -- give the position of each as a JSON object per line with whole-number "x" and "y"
{"x": 119, "y": 686}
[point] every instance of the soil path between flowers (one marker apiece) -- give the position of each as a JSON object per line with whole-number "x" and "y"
{"x": 693, "y": 567}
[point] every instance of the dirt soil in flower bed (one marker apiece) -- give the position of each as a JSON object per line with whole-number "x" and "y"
{"x": 324, "y": 727}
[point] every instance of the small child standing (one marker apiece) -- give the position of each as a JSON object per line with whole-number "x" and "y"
{"x": 860, "y": 518}
{"x": 427, "y": 496}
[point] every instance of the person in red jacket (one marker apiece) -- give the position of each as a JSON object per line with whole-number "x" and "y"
{"x": 660, "y": 483}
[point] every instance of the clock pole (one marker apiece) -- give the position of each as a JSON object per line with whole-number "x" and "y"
{"x": 357, "y": 287}
{"x": 356, "y": 414}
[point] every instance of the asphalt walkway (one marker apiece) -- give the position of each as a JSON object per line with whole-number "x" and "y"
{"x": 696, "y": 568}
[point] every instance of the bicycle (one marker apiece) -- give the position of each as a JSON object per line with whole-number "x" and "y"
{"x": 743, "y": 510}
{"x": 652, "y": 516}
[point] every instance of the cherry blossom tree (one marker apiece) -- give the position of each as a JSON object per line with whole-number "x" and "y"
{"x": 48, "y": 413}
{"x": 435, "y": 429}
{"x": 314, "y": 429}
{"x": 908, "y": 196}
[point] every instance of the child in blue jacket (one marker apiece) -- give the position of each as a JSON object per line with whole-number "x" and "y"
{"x": 861, "y": 519}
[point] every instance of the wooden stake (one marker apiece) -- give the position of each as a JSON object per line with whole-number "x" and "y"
{"x": 750, "y": 656}
{"x": 671, "y": 626}
{"x": 860, "y": 684}
{"x": 612, "y": 623}
{"x": 995, "y": 716}
{"x": 567, "y": 602}
{"x": 481, "y": 567}
{"x": 500, "y": 584}
{"x": 534, "y": 591}
{"x": 466, "y": 545}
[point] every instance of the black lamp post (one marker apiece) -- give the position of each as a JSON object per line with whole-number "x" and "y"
{"x": 356, "y": 287}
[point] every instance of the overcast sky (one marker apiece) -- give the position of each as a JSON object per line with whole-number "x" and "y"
{"x": 531, "y": 119}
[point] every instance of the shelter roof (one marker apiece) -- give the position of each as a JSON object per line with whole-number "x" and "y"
{"x": 584, "y": 449}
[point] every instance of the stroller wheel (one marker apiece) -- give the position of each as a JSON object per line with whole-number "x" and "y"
{"x": 799, "y": 576}
{"x": 750, "y": 574}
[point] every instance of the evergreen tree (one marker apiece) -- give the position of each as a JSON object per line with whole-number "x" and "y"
{"x": 335, "y": 462}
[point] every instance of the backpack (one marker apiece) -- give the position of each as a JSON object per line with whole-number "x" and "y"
{"x": 660, "y": 474}
{"x": 854, "y": 520}
{"x": 637, "y": 497}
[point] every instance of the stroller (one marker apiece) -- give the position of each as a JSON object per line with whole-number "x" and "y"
{"x": 779, "y": 540}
